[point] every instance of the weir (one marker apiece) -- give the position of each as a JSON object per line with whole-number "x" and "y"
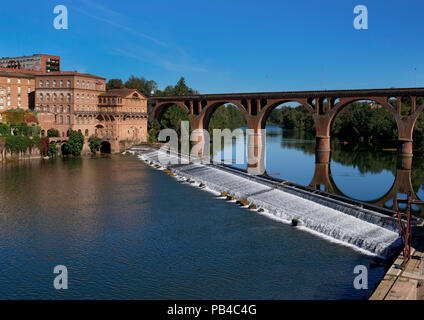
{"x": 372, "y": 232}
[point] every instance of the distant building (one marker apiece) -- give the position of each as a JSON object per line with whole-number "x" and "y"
{"x": 37, "y": 63}
{"x": 16, "y": 91}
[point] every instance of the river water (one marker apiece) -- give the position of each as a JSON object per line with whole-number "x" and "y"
{"x": 125, "y": 230}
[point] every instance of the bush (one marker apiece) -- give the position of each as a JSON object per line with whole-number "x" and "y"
{"x": 4, "y": 129}
{"x": 74, "y": 145}
{"x": 94, "y": 143}
{"x": 53, "y": 150}
{"x": 53, "y": 133}
{"x": 17, "y": 144}
{"x": 44, "y": 146}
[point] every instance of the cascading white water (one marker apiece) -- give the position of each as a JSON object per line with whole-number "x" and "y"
{"x": 370, "y": 231}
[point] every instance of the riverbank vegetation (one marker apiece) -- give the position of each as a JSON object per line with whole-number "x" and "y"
{"x": 73, "y": 146}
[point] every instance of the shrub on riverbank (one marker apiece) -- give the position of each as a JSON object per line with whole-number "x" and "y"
{"x": 53, "y": 150}
{"x": 94, "y": 143}
{"x": 74, "y": 144}
{"x": 17, "y": 144}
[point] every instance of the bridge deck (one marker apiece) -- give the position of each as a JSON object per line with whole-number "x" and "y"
{"x": 300, "y": 94}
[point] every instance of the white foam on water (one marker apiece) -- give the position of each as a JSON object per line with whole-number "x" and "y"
{"x": 364, "y": 230}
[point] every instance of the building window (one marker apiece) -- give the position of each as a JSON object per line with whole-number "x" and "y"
{"x": 61, "y": 83}
{"x": 77, "y": 83}
{"x": 77, "y": 96}
{"x": 54, "y": 83}
{"x": 68, "y": 119}
{"x": 61, "y": 120}
{"x": 41, "y": 83}
{"x": 19, "y": 81}
{"x": 47, "y": 83}
{"x": 69, "y": 109}
{"x": 8, "y": 80}
{"x": 8, "y": 89}
{"x": 61, "y": 97}
{"x": 86, "y": 132}
{"x": 69, "y": 97}
{"x": 29, "y": 90}
{"x": 41, "y": 97}
{"x": 54, "y": 97}
{"x": 61, "y": 109}
{"x": 29, "y": 82}
{"x": 68, "y": 84}
{"x": 83, "y": 84}
{"x": 19, "y": 90}
{"x": 48, "y": 97}
{"x": 9, "y": 102}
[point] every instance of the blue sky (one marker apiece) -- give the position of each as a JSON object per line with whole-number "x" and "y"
{"x": 228, "y": 46}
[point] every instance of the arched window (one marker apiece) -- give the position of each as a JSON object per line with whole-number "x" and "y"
{"x": 69, "y": 97}
{"x": 41, "y": 97}
{"x": 86, "y": 132}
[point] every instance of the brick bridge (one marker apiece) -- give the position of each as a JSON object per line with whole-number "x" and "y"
{"x": 322, "y": 105}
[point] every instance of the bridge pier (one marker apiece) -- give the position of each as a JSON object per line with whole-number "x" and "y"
{"x": 256, "y": 140}
{"x": 323, "y": 144}
{"x": 404, "y": 162}
{"x": 322, "y": 172}
{"x": 405, "y": 148}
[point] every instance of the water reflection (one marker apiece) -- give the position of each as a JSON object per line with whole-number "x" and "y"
{"x": 374, "y": 177}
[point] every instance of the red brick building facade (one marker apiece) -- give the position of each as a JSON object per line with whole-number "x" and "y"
{"x": 66, "y": 100}
{"x": 78, "y": 101}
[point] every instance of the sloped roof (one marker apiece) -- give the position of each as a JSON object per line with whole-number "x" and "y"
{"x": 124, "y": 92}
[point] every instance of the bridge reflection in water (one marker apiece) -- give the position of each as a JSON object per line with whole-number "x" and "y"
{"x": 323, "y": 180}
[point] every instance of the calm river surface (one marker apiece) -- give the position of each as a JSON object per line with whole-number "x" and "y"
{"x": 125, "y": 230}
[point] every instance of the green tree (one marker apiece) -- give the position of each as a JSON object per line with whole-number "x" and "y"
{"x": 53, "y": 133}
{"x": 53, "y": 150}
{"x": 114, "y": 84}
{"x": 74, "y": 144}
{"x": 94, "y": 143}
{"x": 146, "y": 87}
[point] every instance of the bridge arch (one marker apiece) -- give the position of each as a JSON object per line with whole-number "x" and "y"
{"x": 345, "y": 102}
{"x": 162, "y": 107}
{"x": 209, "y": 110}
{"x": 272, "y": 105}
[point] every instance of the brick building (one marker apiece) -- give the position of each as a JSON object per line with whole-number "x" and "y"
{"x": 69, "y": 100}
{"x": 78, "y": 101}
{"x": 16, "y": 91}
{"x": 58, "y": 95}
{"x": 36, "y": 64}
{"x": 122, "y": 115}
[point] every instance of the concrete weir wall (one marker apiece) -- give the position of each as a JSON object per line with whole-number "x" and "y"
{"x": 354, "y": 226}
